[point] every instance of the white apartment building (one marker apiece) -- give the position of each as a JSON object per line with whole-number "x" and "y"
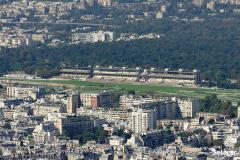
{"x": 188, "y": 107}
{"x": 21, "y": 92}
{"x": 110, "y": 115}
{"x": 45, "y": 109}
{"x": 143, "y": 120}
{"x": 128, "y": 101}
{"x": 92, "y": 37}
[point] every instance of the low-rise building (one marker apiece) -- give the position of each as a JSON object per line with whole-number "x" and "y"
{"x": 232, "y": 140}
{"x": 44, "y": 133}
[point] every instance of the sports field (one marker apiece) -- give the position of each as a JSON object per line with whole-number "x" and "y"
{"x": 225, "y": 94}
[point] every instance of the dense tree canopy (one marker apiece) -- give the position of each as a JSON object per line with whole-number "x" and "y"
{"x": 212, "y": 47}
{"x": 212, "y": 104}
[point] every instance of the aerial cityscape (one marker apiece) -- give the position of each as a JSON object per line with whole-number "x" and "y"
{"x": 119, "y": 79}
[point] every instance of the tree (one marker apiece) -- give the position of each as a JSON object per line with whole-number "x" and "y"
{"x": 121, "y": 133}
{"x": 7, "y": 125}
{"x": 211, "y": 121}
{"x": 212, "y": 104}
{"x": 131, "y": 92}
{"x": 201, "y": 45}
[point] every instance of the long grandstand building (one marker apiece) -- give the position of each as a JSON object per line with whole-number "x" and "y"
{"x": 137, "y": 74}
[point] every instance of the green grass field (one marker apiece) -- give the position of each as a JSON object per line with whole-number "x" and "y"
{"x": 225, "y": 94}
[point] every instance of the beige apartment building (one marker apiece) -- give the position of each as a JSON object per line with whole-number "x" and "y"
{"x": 94, "y": 100}
{"x": 72, "y": 103}
{"x": 21, "y": 92}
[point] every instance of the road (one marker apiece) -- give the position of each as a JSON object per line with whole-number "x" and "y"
{"x": 64, "y": 23}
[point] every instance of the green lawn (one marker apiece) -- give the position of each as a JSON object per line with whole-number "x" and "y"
{"x": 225, "y": 94}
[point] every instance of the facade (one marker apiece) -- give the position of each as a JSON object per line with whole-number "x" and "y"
{"x": 176, "y": 123}
{"x": 239, "y": 112}
{"x": 159, "y": 15}
{"x": 39, "y": 37}
{"x": 74, "y": 124}
{"x": 104, "y": 2}
{"x": 72, "y": 103}
{"x": 77, "y": 72}
{"x": 188, "y": 107}
{"x": 128, "y": 101}
{"x": 156, "y": 138}
{"x": 10, "y": 102}
{"x": 44, "y": 133}
{"x": 166, "y": 110}
{"x": 94, "y": 100}
{"x": 211, "y": 5}
{"x": 110, "y": 116}
{"x": 171, "y": 76}
{"x": 23, "y": 92}
{"x": 232, "y": 2}
{"x": 92, "y": 37}
{"x": 143, "y": 120}
{"x": 45, "y": 109}
{"x": 198, "y": 3}
{"x": 221, "y": 133}
{"x": 207, "y": 116}
{"x": 116, "y": 73}
{"x": 232, "y": 140}
{"x": 152, "y": 75}
{"x": 116, "y": 141}
{"x": 125, "y": 101}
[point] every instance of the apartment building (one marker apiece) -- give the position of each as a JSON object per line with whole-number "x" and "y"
{"x": 166, "y": 110}
{"x": 207, "y": 116}
{"x": 104, "y": 3}
{"x": 10, "y": 102}
{"x": 220, "y": 134}
{"x": 23, "y": 92}
{"x": 232, "y": 140}
{"x": 177, "y": 123}
{"x": 45, "y": 108}
{"x": 128, "y": 101}
{"x": 143, "y": 120}
{"x": 156, "y": 138}
{"x": 125, "y": 101}
{"x": 232, "y": 2}
{"x": 92, "y": 37}
{"x": 110, "y": 115}
{"x": 74, "y": 124}
{"x": 94, "y": 100}
{"x": 44, "y": 133}
{"x": 188, "y": 106}
{"x": 72, "y": 103}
